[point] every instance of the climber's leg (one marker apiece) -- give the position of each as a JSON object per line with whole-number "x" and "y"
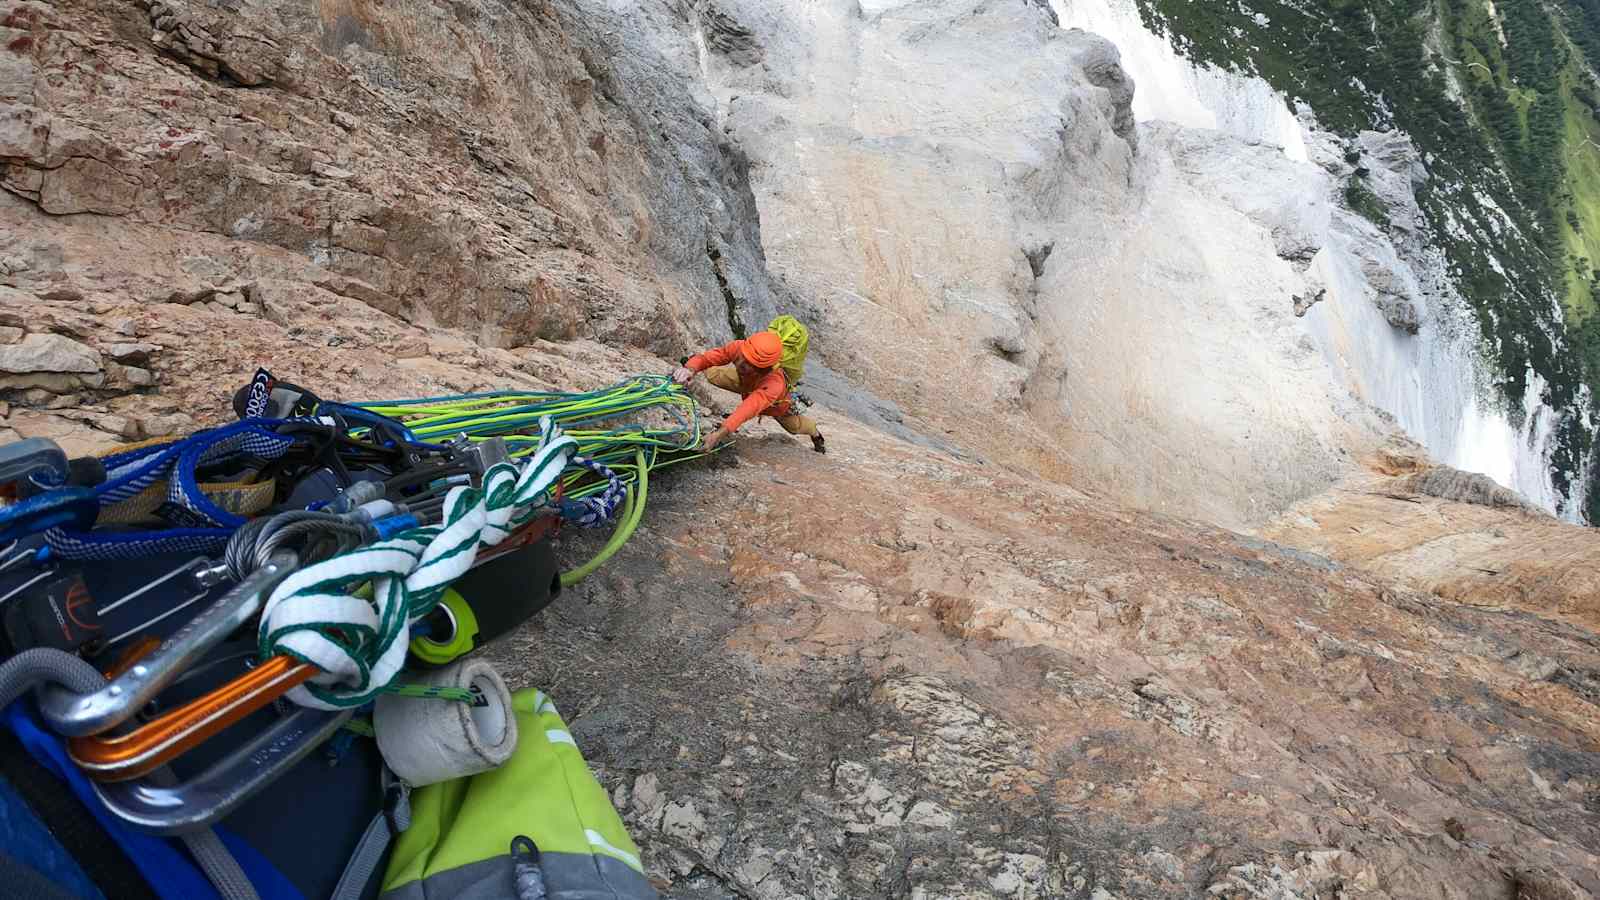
{"x": 798, "y": 424}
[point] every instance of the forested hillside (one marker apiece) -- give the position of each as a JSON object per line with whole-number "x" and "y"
{"x": 1503, "y": 102}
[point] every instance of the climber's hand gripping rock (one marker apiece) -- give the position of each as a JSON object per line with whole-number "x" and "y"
{"x": 710, "y": 442}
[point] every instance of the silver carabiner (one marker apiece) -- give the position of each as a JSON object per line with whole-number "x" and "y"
{"x": 25, "y": 459}
{"x": 213, "y": 794}
{"x": 76, "y": 715}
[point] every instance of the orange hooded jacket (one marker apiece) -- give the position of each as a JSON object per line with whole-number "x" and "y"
{"x": 765, "y": 393}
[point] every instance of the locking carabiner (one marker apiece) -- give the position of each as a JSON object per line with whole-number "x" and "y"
{"x": 163, "y": 739}
{"x": 210, "y": 796}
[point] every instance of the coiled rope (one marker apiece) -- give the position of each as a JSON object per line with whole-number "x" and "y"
{"x": 360, "y": 645}
{"x": 317, "y": 615}
{"x": 603, "y": 422}
{"x": 630, "y": 450}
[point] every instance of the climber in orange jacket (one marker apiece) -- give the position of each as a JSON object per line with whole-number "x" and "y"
{"x": 749, "y": 368}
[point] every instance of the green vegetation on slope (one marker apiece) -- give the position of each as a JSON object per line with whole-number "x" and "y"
{"x": 1360, "y": 198}
{"x": 1502, "y": 103}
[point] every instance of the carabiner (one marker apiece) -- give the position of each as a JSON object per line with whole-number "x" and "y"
{"x": 207, "y": 798}
{"x": 27, "y": 460}
{"x": 175, "y": 732}
{"x": 77, "y": 715}
{"x": 62, "y": 507}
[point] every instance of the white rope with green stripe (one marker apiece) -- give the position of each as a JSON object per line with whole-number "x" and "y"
{"x": 316, "y": 617}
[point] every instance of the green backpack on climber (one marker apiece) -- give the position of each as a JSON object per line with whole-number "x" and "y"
{"x": 796, "y": 343}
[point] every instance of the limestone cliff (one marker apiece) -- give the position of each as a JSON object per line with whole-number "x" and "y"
{"x": 1190, "y": 318}
{"x": 922, "y": 665}
{"x": 483, "y": 168}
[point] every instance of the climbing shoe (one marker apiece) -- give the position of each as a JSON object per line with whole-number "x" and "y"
{"x": 818, "y": 444}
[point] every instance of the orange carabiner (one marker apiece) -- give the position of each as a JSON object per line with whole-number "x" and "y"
{"x": 526, "y": 536}
{"x": 158, "y": 742}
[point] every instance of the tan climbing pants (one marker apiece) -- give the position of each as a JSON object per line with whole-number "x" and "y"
{"x": 727, "y": 378}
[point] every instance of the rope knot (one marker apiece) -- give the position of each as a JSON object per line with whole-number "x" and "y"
{"x": 320, "y": 614}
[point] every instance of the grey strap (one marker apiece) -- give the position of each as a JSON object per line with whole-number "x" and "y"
{"x": 219, "y": 865}
{"x": 365, "y": 860}
{"x": 373, "y": 847}
{"x": 211, "y": 855}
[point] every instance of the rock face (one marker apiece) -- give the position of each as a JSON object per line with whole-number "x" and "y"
{"x": 889, "y": 671}
{"x": 1452, "y": 484}
{"x": 501, "y": 181}
{"x": 1454, "y": 534}
{"x": 860, "y": 134}
{"x": 1041, "y": 695}
{"x": 1116, "y": 357}
{"x": 671, "y": 174}
{"x": 921, "y": 665}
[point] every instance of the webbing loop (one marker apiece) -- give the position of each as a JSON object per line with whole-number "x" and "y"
{"x": 360, "y": 645}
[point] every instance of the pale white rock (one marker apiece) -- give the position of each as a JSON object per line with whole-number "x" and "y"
{"x": 913, "y": 163}
{"x": 757, "y": 869}
{"x": 683, "y": 819}
{"x": 928, "y": 814}
{"x": 50, "y": 353}
{"x": 1382, "y": 348}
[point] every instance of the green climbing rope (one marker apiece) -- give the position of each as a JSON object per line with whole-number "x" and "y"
{"x": 636, "y": 426}
{"x": 632, "y": 512}
{"x": 606, "y": 423}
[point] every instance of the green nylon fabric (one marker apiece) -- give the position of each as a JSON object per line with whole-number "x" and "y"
{"x": 796, "y": 344}
{"x": 545, "y": 792}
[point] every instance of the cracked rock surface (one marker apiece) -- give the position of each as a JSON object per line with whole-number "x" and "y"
{"x": 921, "y": 665}
{"x": 950, "y": 681}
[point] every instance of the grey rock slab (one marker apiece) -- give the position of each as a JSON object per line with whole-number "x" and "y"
{"x": 50, "y": 353}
